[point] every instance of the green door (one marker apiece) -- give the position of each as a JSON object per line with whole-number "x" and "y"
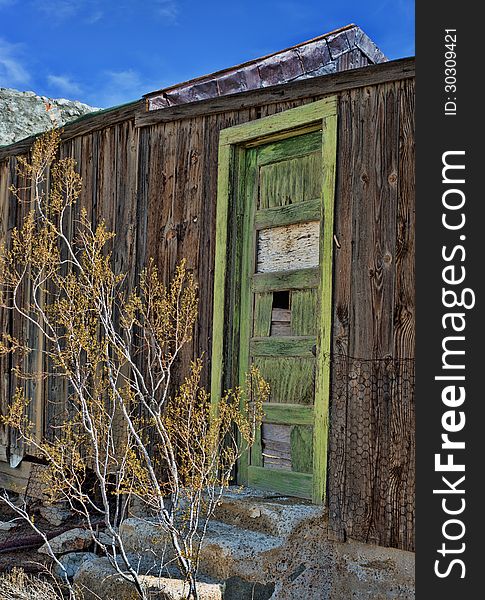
{"x": 284, "y": 197}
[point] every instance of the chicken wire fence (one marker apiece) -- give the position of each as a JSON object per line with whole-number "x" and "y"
{"x": 371, "y": 467}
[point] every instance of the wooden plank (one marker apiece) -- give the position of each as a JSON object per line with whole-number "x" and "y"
{"x": 15, "y": 479}
{"x": 281, "y": 322}
{"x": 34, "y": 363}
{"x": 360, "y": 419}
{"x": 402, "y": 449}
{"x": 338, "y": 449}
{"x": 290, "y": 181}
{"x": 284, "y": 346}
{"x": 285, "y": 280}
{"x": 280, "y": 328}
{"x": 315, "y": 86}
{"x": 281, "y": 315}
{"x": 5, "y": 316}
{"x": 304, "y": 311}
{"x": 284, "y": 482}
{"x": 223, "y": 191}
{"x": 292, "y": 414}
{"x": 19, "y": 328}
{"x": 248, "y": 190}
{"x": 308, "y": 210}
{"x": 288, "y": 247}
{"x": 295, "y": 146}
{"x": 276, "y": 446}
{"x": 186, "y": 219}
{"x": 400, "y": 493}
{"x": 348, "y": 135}
{"x": 301, "y": 441}
{"x": 263, "y": 304}
{"x": 275, "y": 124}
{"x": 348, "y": 138}
{"x": 234, "y": 251}
{"x": 385, "y": 205}
{"x": 206, "y": 219}
{"x": 404, "y": 292}
{"x": 291, "y": 379}
{"x": 322, "y": 381}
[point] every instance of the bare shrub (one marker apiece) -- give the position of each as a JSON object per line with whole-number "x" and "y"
{"x": 126, "y": 422}
{"x": 17, "y": 585}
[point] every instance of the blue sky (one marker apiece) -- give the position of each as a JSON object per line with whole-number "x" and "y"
{"x": 110, "y": 52}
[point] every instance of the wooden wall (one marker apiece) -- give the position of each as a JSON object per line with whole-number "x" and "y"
{"x": 371, "y": 469}
{"x": 155, "y": 186}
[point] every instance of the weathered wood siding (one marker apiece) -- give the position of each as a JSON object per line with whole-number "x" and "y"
{"x": 155, "y": 186}
{"x": 371, "y": 470}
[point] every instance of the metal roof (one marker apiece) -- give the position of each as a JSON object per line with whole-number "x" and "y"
{"x": 345, "y": 48}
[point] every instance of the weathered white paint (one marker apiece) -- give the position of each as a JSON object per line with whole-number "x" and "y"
{"x": 289, "y": 247}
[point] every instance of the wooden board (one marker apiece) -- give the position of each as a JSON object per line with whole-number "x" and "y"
{"x": 290, "y": 181}
{"x": 291, "y": 380}
{"x": 288, "y": 247}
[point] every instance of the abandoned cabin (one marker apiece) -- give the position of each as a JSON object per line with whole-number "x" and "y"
{"x": 287, "y": 183}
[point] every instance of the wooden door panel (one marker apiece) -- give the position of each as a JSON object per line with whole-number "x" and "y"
{"x": 304, "y": 311}
{"x": 282, "y": 256}
{"x": 291, "y": 379}
{"x": 273, "y": 194}
{"x": 288, "y": 247}
{"x": 285, "y": 280}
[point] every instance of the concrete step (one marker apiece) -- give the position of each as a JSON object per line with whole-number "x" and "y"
{"x": 98, "y": 579}
{"x": 232, "y": 551}
{"x": 234, "y": 556}
{"x": 266, "y": 512}
{"x": 227, "y": 550}
{"x": 266, "y": 547}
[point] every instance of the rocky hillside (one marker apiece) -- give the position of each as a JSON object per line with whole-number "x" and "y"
{"x": 24, "y": 113}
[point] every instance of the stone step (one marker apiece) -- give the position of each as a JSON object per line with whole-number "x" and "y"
{"x": 227, "y": 550}
{"x": 232, "y": 551}
{"x": 98, "y": 579}
{"x": 266, "y": 512}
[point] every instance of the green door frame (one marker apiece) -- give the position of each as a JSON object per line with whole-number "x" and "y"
{"x": 320, "y": 115}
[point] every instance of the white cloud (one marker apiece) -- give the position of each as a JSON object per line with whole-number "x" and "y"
{"x": 59, "y": 11}
{"x": 96, "y": 16}
{"x": 119, "y": 87}
{"x": 168, "y": 9}
{"x": 12, "y": 71}
{"x": 63, "y": 84}
{"x": 124, "y": 79}
{"x": 91, "y": 11}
